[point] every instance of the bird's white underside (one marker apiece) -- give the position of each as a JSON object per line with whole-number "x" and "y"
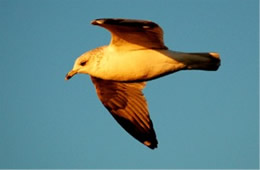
{"x": 135, "y": 54}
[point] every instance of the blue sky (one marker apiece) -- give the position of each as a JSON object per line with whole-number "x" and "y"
{"x": 202, "y": 119}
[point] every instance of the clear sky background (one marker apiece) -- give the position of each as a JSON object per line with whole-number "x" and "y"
{"x": 202, "y": 119}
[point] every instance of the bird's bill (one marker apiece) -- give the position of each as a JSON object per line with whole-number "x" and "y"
{"x": 70, "y": 74}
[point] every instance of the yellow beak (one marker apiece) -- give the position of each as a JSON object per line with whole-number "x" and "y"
{"x": 70, "y": 74}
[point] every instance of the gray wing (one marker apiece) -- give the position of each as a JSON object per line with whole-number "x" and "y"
{"x": 129, "y": 34}
{"x": 127, "y": 104}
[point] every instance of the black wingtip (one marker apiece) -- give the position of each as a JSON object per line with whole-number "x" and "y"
{"x": 151, "y": 145}
{"x": 97, "y": 21}
{"x": 125, "y": 22}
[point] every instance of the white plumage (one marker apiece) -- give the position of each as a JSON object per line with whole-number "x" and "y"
{"x": 119, "y": 71}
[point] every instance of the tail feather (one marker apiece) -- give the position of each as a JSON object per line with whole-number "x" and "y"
{"x": 204, "y": 61}
{"x": 198, "y": 61}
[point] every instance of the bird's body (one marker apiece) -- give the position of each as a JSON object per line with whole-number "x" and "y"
{"x": 119, "y": 71}
{"x": 144, "y": 64}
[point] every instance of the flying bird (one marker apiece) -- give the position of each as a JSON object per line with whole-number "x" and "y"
{"x": 120, "y": 70}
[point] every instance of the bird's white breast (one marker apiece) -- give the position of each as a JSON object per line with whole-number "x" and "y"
{"x": 135, "y": 65}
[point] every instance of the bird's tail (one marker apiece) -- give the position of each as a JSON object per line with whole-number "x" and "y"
{"x": 198, "y": 61}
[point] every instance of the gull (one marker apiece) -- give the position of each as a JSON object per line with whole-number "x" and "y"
{"x": 120, "y": 70}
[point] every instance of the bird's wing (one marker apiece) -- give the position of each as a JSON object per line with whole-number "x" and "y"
{"x": 127, "y": 104}
{"x": 129, "y": 34}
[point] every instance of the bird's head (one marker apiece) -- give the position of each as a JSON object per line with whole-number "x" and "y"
{"x": 80, "y": 66}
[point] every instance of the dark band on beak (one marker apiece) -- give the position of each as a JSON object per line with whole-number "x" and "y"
{"x": 70, "y": 74}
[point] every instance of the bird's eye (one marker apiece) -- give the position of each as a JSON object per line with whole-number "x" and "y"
{"x": 83, "y": 63}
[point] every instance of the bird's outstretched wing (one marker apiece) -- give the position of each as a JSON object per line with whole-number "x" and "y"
{"x": 129, "y": 34}
{"x": 127, "y": 104}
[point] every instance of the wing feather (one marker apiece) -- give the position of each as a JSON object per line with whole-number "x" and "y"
{"x": 129, "y": 34}
{"x": 127, "y": 104}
